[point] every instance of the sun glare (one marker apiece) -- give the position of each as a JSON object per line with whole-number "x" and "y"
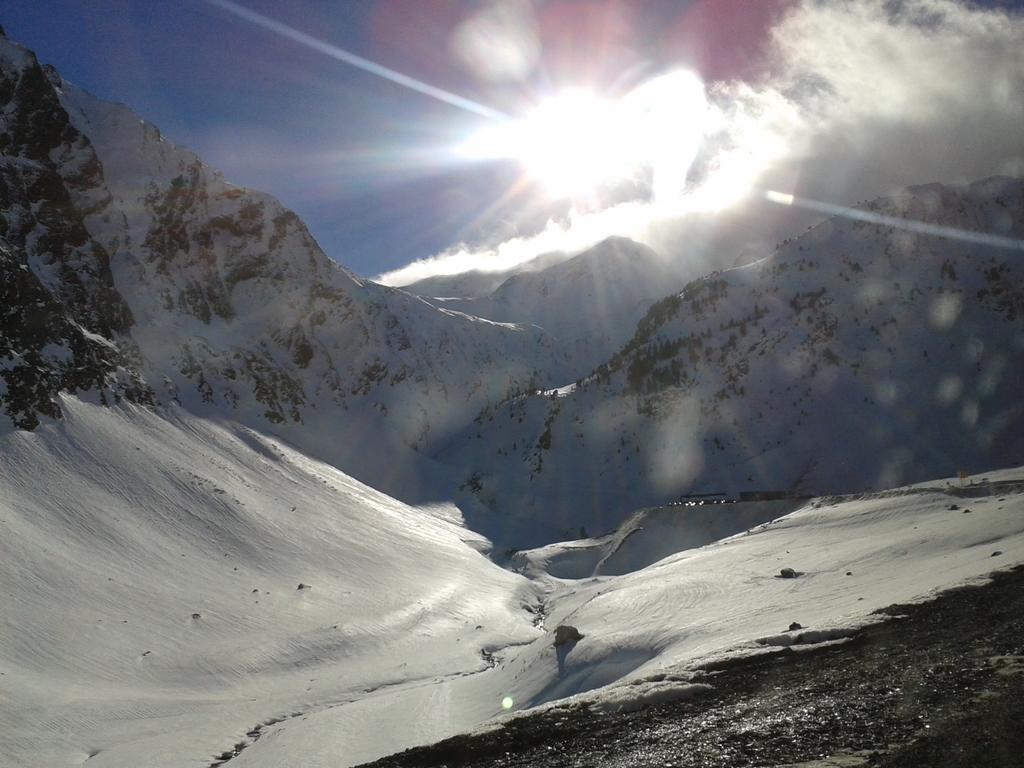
{"x": 577, "y": 142}
{"x": 574, "y": 143}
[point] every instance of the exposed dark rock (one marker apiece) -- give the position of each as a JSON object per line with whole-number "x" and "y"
{"x": 565, "y": 634}
{"x": 60, "y": 314}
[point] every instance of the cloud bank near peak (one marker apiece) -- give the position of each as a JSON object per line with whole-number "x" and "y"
{"x": 856, "y": 99}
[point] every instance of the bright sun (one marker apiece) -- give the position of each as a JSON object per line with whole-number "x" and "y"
{"x": 577, "y": 142}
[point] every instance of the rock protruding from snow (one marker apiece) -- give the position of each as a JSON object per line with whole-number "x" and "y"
{"x": 566, "y": 634}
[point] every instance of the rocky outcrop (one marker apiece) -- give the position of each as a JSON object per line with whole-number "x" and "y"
{"x": 222, "y": 299}
{"x": 59, "y": 308}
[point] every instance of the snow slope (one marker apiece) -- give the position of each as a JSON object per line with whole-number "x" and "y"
{"x": 589, "y": 303}
{"x": 150, "y": 609}
{"x": 646, "y": 633}
{"x": 149, "y": 604}
{"x": 647, "y": 536}
{"x": 857, "y": 356}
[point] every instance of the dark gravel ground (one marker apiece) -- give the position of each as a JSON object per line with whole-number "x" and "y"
{"x": 941, "y": 686}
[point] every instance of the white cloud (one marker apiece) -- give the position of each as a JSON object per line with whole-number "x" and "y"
{"x": 862, "y": 97}
{"x": 579, "y": 231}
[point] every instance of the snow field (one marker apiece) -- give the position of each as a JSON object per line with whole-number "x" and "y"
{"x": 130, "y": 549}
{"x": 645, "y": 632}
{"x": 131, "y": 544}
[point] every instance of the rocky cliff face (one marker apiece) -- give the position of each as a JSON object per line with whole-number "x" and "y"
{"x": 240, "y": 309}
{"x": 223, "y": 299}
{"x": 59, "y": 308}
{"x": 857, "y": 356}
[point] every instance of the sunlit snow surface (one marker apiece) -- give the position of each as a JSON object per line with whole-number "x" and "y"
{"x": 117, "y": 526}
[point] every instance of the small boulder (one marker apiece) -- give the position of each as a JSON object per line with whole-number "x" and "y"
{"x": 997, "y": 553}
{"x": 954, "y": 507}
{"x": 849, "y": 573}
{"x": 197, "y": 615}
{"x": 565, "y": 634}
{"x": 303, "y": 586}
{"x": 795, "y": 626}
{"x": 787, "y": 573}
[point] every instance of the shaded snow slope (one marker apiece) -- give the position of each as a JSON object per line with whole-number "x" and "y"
{"x": 149, "y": 604}
{"x": 646, "y": 537}
{"x": 857, "y": 356}
{"x": 589, "y": 303}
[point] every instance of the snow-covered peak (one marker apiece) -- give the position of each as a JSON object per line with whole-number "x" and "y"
{"x": 590, "y": 303}
{"x": 859, "y": 355}
{"x": 475, "y": 284}
{"x": 14, "y": 57}
{"x": 134, "y": 151}
{"x": 59, "y": 310}
{"x": 231, "y": 307}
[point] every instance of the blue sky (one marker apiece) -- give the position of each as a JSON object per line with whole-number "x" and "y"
{"x": 324, "y": 138}
{"x": 363, "y": 160}
{"x": 353, "y": 154}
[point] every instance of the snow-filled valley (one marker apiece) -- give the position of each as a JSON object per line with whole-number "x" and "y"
{"x": 258, "y": 511}
{"x": 151, "y": 611}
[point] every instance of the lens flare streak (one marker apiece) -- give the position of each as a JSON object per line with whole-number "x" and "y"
{"x": 910, "y": 225}
{"x": 352, "y": 59}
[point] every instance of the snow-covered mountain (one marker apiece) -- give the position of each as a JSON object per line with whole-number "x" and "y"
{"x": 59, "y": 308}
{"x": 167, "y": 283}
{"x": 589, "y": 303}
{"x": 188, "y": 578}
{"x": 475, "y": 284}
{"x": 857, "y": 356}
{"x": 223, "y": 298}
